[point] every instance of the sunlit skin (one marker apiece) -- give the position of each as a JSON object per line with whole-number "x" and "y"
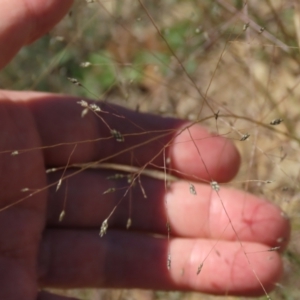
{"x": 38, "y": 251}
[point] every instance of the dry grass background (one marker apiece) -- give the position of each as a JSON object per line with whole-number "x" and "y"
{"x": 244, "y": 56}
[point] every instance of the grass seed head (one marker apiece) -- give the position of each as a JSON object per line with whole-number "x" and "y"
{"x": 117, "y": 135}
{"x": 169, "y": 261}
{"x": 245, "y": 137}
{"x": 128, "y": 224}
{"x": 192, "y": 189}
{"x": 61, "y": 216}
{"x": 103, "y": 228}
{"x": 83, "y": 103}
{"x": 215, "y": 186}
{"x": 199, "y": 269}
{"x": 85, "y": 64}
{"x": 74, "y": 81}
{"x": 110, "y": 190}
{"x": 276, "y": 121}
{"x": 95, "y": 107}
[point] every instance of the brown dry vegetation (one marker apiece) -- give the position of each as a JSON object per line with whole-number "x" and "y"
{"x": 244, "y": 58}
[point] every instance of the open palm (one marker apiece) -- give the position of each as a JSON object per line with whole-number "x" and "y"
{"x": 36, "y": 250}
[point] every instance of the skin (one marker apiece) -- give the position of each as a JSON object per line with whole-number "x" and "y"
{"x": 37, "y": 251}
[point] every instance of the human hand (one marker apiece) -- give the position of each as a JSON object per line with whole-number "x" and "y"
{"x": 36, "y": 250}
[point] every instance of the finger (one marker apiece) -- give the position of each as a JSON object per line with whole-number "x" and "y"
{"x": 207, "y": 214}
{"x": 146, "y": 137}
{"x": 22, "y": 22}
{"x": 20, "y": 225}
{"x": 125, "y": 260}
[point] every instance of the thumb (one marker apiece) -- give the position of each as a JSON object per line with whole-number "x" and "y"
{"x": 23, "y": 21}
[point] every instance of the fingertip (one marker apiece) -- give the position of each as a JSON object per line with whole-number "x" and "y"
{"x": 230, "y": 269}
{"x": 45, "y": 15}
{"x": 258, "y": 268}
{"x": 22, "y": 22}
{"x": 197, "y": 153}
